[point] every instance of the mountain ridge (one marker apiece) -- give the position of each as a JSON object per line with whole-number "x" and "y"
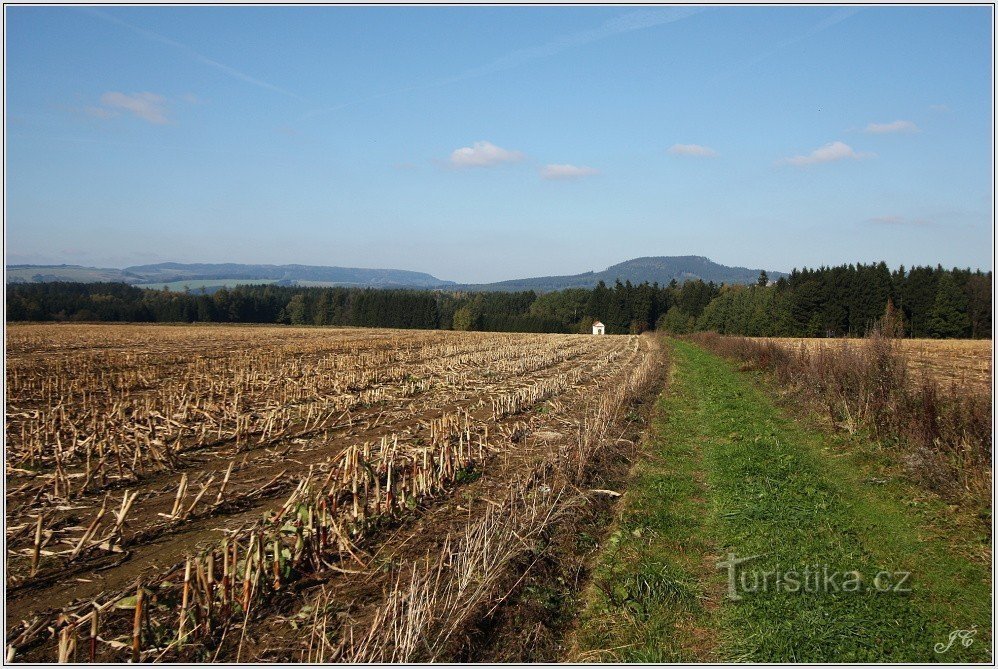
{"x": 660, "y": 269}
{"x": 170, "y": 272}
{"x": 231, "y": 274}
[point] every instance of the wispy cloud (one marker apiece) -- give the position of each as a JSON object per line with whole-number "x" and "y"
{"x": 567, "y": 172}
{"x": 939, "y": 108}
{"x": 192, "y": 53}
{"x": 99, "y": 112}
{"x": 695, "y": 150}
{"x": 898, "y": 221}
{"x": 625, "y": 23}
{"x": 146, "y": 106}
{"x": 829, "y": 153}
{"x": 637, "y": 20}
{"x": 483, "y": 154}
{"x": 892, "y": 127}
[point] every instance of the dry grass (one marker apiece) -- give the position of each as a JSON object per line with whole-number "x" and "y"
{"x": 945, "y": 361}
{"x": 941, "y": 428}
{"x": 150, "y": 453}
{"x": 423, "y": 614}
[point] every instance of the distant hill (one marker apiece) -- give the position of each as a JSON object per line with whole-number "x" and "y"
{"x": 662, "y": 269}
{"x": 77, "y": 273}
{"x": 212, "y": 274}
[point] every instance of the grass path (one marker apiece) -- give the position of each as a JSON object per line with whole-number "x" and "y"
{"x": 726, "y": 472}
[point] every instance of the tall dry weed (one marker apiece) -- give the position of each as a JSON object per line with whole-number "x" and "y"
{"x": 943, "y": 432}
{"x": 424, "y": 612}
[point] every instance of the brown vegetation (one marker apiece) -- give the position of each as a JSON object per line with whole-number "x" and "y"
{"x": 942, "y": 429}
{"x": 945, "y": 361}
{"x": 204, "y": 493}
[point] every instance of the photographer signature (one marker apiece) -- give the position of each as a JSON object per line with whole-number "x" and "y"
{"x": 966, "y": 638}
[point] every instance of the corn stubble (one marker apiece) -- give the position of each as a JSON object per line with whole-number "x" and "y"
{"x": 92, "y": 412}
{"x": 422, "y": 615}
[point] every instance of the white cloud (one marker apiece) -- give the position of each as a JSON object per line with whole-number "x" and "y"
{"x": 892, "y": 127}
{"x": 100, "y": 112}
{"x": 829, "y": 153}
{"x": 483, "y": 154}
{"x": 898, "y": 221}
{"x": 147, "y": 106}
{"x": 692, "y": 150}
{"x": 554, "y": 172}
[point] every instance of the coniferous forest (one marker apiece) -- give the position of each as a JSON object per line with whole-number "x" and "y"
{"x": 827, "y": 302}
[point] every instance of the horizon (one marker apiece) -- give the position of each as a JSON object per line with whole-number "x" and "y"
{"x": 892, "y": 268}
{"x": 482, "y": 144}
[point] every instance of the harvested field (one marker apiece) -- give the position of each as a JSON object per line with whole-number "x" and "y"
{"x": 946, "y": 361}
{"x": 291, "y": 494}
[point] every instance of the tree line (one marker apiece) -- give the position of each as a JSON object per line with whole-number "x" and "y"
{"x": 849, "y": 300}
{"x": 623, "y": 307}
{"x": 836, "y": 301}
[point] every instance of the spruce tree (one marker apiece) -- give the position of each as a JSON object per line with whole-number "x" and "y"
{"x": 948, "y": 318}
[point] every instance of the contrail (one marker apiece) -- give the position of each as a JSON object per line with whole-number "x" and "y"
{"x": 824, "y": 24}
{"x": 222, "y": 67}
{"x": 638, "y": 20}
{"x": 625, "y": 23}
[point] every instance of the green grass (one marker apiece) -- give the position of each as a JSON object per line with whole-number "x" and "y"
{"x": 305, "y": 283}
{"x": 64, "y": 273}
{"x": 727, "y": 472}
{"x": 646, "y": 602}
{"x": 196, "y": 285}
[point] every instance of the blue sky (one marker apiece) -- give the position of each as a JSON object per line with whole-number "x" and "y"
{"x": 480, "y": 144}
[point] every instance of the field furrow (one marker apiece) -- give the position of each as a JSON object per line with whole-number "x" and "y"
{"x": 150, "y": 446}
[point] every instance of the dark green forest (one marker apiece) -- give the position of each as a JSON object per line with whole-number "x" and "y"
{"x": 848, "y": 300}
{"x": 837, "y": 301}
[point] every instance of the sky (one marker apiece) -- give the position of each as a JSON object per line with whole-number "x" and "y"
{"x": 489, "y": 143}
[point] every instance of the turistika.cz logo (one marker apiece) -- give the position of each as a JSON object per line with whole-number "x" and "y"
{"x": 810, "y": 579}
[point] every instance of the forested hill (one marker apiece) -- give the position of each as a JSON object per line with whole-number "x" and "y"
{"x": 177, "y": 276}
{"x": 288, "y": 274}
{"x": 657, "y": 269}
{"x": 219, "y": 274}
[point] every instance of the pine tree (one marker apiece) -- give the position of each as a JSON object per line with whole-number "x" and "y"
{"x": 978, "y": 290}
{"x": 948, "y": 318}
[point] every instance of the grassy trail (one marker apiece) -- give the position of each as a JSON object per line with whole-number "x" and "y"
{"x": 725, "y": 472}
